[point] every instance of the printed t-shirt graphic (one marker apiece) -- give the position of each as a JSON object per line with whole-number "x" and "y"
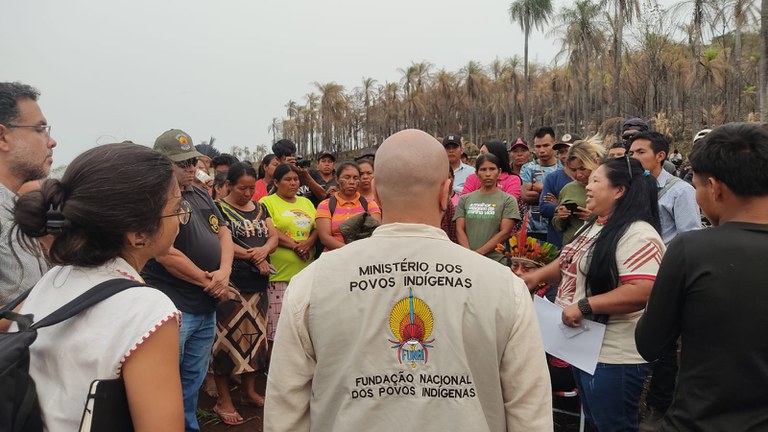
{"x": 482, "y": 215}
{"x": 296, "y": 220}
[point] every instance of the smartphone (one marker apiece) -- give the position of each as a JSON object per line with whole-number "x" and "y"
{"x": 571, "y": 206}
{"x": 202, "y": 176}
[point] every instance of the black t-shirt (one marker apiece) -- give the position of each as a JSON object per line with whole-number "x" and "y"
{"x": 249, "y": 230}
{"x": 712, "y": 290}
{"x": 199, "y": 241}
{"x": 321, "y": 181}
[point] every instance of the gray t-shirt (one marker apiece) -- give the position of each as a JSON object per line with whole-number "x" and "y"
{"x": 19, "y": 268}
{"x": 483, "y": 214}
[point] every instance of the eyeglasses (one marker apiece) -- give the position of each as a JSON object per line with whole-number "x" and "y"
{"x": 44, "y": 129}
{"x": 184, "y": 213}
{"x": 186, "y": 163}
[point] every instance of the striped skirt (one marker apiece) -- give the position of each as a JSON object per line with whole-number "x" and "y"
{"x": 241, "y": 335}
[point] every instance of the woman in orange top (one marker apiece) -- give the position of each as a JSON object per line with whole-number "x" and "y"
{"x": 348, "y": 204}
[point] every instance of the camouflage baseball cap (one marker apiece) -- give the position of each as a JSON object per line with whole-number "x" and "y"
{"x": 176, "y": 145}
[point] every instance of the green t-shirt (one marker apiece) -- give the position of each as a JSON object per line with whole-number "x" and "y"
{"x": 482, "y": 215}
{"x": 297, "y": 220}
{"x": 573, "y": 192}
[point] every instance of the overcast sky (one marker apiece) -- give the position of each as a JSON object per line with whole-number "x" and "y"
{"x": 115, "y": 70}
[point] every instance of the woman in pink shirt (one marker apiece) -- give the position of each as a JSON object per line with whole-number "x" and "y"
{"x": 508, "y": 182}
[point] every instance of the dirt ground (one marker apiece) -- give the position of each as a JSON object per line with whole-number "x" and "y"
{"x": 254, "y": 417}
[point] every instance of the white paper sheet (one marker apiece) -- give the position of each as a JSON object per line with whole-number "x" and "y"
{"x": 579, "y": 346}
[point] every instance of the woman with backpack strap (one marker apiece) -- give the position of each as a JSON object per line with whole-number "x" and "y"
{"x": 104, "y": 230}
{"x": 342, "y": 205}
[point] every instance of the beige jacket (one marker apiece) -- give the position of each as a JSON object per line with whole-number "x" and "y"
{"x": 407, "y": 331}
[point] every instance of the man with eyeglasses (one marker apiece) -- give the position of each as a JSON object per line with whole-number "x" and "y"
{"x": 26, "y": 154}
{"x": 195, "y": 271}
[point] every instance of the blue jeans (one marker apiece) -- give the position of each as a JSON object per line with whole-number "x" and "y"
{"x": 195, "y": 342}
{"x": 611, "y": 396}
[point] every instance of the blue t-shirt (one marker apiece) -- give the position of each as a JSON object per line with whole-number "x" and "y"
{"x": 531, "y": 173}
{"x": 553, "y": 183}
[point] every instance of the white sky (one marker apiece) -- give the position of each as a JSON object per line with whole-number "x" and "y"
{"x": 115, "y": 70}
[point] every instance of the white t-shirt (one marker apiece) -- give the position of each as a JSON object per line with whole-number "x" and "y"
{"x": 638, "y": 255}
{"x": 68, "y": 356}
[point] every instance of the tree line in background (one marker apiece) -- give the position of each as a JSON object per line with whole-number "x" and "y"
{"x": 618, "y": 59}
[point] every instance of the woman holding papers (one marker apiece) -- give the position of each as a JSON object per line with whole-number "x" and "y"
{"x": 606, "y": 274}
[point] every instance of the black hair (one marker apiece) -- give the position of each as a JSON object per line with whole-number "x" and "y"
{"x": 95, "y": 203}
{"x": 639, "y": 202}
{"x": 263, "y": 165}
{"x": 283, "y": 148}
{"x": 282, "y": 170}
{"x": 659, "y": 142}
{"x": 498, "y": 149}
{"x": 10, "y": 94}
{"x": 367, "y": 160}
{"x": 487, "y": 157}
{"x": 240, "y": 169}
{"x": 737, "y": 155}
{"x": 544, "y": 131}
{"x": 224, "y": 159}
{"x": 218, "y": 181}
{"x": 344, "y": 165}
{"x": 617, "y": 144}
{"x": 207, "y": 150}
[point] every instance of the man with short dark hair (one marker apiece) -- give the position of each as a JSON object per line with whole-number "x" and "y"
{"x": 454, "y": 149}
{"x": 285, "y": 151}
{"x": 532, "y": 175}
{"x": 26, "y": 154}
{"x": 222, "y": 162}
{"x": 554, "y": 182}
{"x": 710, "y": 290}
{"x": 195, "y": 272}
{"x": 678, "y": 213}
{"x": 324, "y": 175}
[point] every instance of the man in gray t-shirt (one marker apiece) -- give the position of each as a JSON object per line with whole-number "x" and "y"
{"x": 26, "y": 150}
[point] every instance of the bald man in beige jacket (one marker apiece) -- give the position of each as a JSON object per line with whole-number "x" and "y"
{"x": 406, "y": 330}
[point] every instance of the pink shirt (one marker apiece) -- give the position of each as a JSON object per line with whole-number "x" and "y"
{"x": 506, "y": 182}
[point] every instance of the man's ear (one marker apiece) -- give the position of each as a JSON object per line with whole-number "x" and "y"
{"x": 5, "y": 138}
{"x": 661, "y": 157}
{"x": 445, "y": 190}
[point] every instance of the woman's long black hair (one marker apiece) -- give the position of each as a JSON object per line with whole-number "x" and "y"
{"x": 498, "y": 149}
{"x": 640, "y": 202}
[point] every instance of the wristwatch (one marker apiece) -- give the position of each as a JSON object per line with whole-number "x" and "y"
{"x": 584, "y": 306}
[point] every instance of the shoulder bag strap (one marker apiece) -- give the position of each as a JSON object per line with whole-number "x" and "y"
{"x": 332, "y": 202}
{"x": 87, "y": 299}
{"x": 364, "y": 203}
{"x": 667, "y": 186}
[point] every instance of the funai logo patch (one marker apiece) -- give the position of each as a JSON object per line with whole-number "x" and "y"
{"x": 411, "y": 323}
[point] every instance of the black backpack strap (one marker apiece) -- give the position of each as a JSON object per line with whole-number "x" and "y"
{"x": 87, "y": 299}
{"x": 364, "y": 203}
{"x": 332, "y": 202}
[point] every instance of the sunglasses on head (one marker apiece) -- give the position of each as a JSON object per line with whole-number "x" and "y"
{"x": 186, "y": 163}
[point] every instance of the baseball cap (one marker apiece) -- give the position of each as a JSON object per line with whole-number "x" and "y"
{"x": 566, "y": 141}
{"x": 176, "y": 145}
{"x": 635, "y": 123}
{"x": 452, "y": 140}
{"x": 518, "y": 143}
{"x": 326, "y": 154}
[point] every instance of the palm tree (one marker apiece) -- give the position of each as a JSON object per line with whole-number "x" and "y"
{"x": 529, "y": 13}
{"x": 624, "y": 12}
{"x": 367, "y": 90}
{"x": 330, "y": 100}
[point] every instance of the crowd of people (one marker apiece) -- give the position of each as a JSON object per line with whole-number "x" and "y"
{"x": 399, "y": 279}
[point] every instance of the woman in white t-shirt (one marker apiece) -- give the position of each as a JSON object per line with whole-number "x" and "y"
{"x": 104, "y": 230}
{"x": 606, "y": 274}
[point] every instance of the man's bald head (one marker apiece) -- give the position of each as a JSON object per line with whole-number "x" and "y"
{"x": 411, "y": 168}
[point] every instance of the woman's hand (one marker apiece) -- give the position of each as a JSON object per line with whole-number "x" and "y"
{"x": 563, "y": 213}
{"x": 265, "y": 268}
{"x": 258, "y": 255}
{"x": 549, "y": 198}
{"x": 582, "y": 213}
{"x": 572, "y": 316}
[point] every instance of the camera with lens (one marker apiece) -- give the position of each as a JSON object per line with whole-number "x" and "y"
{"x": 303, "y": 163}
